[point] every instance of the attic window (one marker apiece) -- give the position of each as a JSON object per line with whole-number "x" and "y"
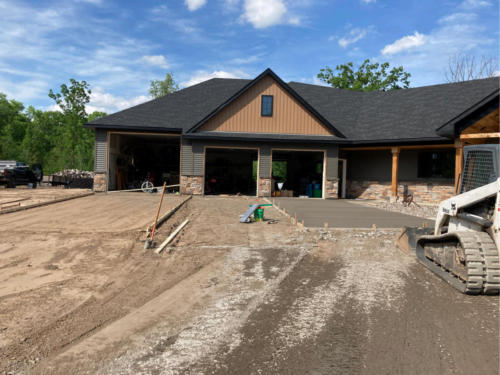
{"x": 266, "y": 108}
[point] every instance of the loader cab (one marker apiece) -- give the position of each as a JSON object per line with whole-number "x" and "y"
{"x": 481, "y": 166}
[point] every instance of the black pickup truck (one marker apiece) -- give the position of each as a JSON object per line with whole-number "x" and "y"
{"x": 13, "y": 173}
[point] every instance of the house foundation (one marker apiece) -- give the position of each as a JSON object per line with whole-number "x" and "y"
{"x": 430, "y": 192}
{"x": 264, "y": 187}
{"x": 100, "y": 182}
{"x": 332, "y": 188}
{"x": 191, "y": 185}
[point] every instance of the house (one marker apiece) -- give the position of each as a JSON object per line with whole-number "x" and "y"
{"x": 246, "y": 136}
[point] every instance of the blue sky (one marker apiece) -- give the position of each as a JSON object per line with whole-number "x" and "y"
{"x": 119, "y": 46}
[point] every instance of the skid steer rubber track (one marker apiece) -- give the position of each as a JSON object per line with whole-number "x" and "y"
{"x": 481, "y": 263}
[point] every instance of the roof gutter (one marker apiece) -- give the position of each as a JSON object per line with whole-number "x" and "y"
{"x": 134, "y": 128}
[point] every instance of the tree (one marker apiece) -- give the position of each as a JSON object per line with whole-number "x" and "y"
{"x": 462, "y": 67}
{"x": 13, "y": 122}
{"x": 368, "y": 77}
{"x": 159, "y": 88}
{"x": 75, "y": 149}
{"x": 42, "y": 135}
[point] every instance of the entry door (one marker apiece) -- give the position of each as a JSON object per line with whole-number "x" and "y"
{"x": 342, "y": 173}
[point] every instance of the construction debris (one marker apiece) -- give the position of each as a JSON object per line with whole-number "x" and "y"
{"x": 75, "y": 173}
{"x": 171, "y": 237}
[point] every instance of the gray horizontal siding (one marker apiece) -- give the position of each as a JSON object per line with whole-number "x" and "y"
{"x": 198, "y": 159}
{"x": 187, "y": 158}
{"x": 193, "y": 156}
{"x": 100, "y": 150}
{"x": 265, "y": 162}
{"x": 332, "y": 163}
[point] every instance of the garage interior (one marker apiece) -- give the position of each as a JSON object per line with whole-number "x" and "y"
{"x": 231, "y": 171}
{"x": 133, "y": 158}
{"x": 297, "y": 174}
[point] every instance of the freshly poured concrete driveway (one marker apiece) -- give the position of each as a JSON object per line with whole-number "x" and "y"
{"x": 344, "y": 214}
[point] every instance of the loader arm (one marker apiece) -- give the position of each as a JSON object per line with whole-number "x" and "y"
{"x": 450, "y": 207}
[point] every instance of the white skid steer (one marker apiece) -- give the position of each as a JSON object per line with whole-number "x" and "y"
{"x": 464, "y": 248}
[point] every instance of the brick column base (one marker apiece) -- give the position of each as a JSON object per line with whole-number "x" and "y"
{"x": 100, "y": 182}
{"x": 332, "y": 189}
{"x": 264, "y": 187}
{"x": 191, "y": 185}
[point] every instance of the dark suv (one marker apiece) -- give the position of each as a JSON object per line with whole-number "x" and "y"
{"x": 13, "y": 173}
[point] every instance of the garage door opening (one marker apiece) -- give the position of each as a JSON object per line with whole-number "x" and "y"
{"x": 135, "y": 158}
{"x": 230, "y": 171}
{"x": 297, "y": 173}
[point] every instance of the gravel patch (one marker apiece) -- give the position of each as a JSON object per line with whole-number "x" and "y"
{"x": 425, "y": 211}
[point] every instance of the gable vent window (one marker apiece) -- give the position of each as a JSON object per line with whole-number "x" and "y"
{"x": 266, "y": 108}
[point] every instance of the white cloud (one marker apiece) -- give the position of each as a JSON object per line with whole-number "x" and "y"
{"x": 194, "y": 4}
{"x": 368, "y": 1}
{"x": 454, "y": 34}
{"x": 202, "y": 76}
{"x": 354, "y": 35}
{"x": 245, "y": 60}
{"x": 156, "y": 60}
{"x": 105, "y": 102}
{"x": 474, "y": 4}
{"x": 405, "y": 43}
{"x": 265, "y": 13}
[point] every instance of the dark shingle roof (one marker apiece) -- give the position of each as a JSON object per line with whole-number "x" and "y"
{"x": 410, "y": 114}
{"x": 398, "y": 114}
{"x": 177, "y": 111}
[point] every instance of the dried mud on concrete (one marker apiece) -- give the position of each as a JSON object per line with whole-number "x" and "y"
{"x": 231, "y": 298}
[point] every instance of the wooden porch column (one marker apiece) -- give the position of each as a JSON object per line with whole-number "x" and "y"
{"x": 458, "y": 162}
{"x": 395, "y": 161}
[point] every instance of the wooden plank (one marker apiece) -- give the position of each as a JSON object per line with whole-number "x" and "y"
{"x": 488, "y": 124}
{"x": 395, "y": 164}
{"x": 409, "y": 147}
{"x": 129, "y": 190}
{"x": 171, "y": 237}
{"x": 458, "y": 162}
{"x": 480, "y": 135}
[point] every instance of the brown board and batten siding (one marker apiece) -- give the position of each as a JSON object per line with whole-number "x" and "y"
{"x": 244, "y": 114}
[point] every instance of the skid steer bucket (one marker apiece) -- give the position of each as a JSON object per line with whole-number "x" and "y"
{"x": 406, "y": 240}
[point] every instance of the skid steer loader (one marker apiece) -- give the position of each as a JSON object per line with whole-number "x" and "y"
{"x": 464, "y": 246}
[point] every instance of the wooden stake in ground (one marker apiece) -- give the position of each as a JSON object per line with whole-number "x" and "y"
{"x": 171, "y": 237}
{"x": 148, "y": 243}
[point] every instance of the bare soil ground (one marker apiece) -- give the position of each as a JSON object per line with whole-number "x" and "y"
{"x": 22, "y": 196}
{"x": 78, "y": 294}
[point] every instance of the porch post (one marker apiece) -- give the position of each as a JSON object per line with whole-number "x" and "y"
{"x": 458, "y": 162}
{"x": 395, "y": 161}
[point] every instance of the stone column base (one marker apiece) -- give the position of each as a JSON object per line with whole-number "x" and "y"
{"x": 100, "y": 182}
{"x": 191, "y": 185}
{"x": 332, "y": 189}
{"x": 264, "y": 187}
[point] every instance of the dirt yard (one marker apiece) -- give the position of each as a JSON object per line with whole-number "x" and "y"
{"x": 79, "y": 294}
{"x": 12, "y": 199}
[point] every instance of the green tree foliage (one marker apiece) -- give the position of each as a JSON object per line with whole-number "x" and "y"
{"x": 75, "y": 150}
{"x": 56, "y": 139}
{"x": 159, "y": 88}
{"x": 368, "y": 77}
{"x": 13, "y": 123}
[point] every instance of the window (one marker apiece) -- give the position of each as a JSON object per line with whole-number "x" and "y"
{"x": 266, "y": 108}
{"x": 436, "y": 164}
